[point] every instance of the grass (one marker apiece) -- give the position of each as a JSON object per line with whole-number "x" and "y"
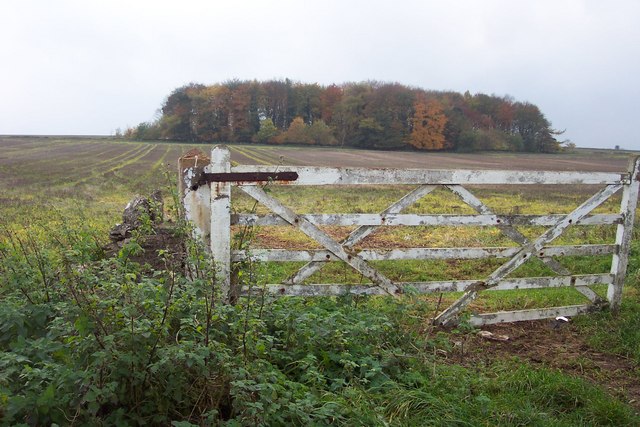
{"x": 347, "y": 360}
{"x": 616, "y": 334}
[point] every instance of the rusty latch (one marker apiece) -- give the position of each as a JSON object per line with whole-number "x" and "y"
{"x": 207, "y": 178}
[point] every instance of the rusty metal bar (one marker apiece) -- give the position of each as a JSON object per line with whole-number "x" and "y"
{"x": 244, "y": 177}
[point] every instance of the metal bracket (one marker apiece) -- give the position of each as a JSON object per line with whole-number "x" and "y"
{"x": 244, "y": 177}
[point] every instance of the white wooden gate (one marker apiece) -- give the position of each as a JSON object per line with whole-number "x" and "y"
{"x": 207, "y": 199}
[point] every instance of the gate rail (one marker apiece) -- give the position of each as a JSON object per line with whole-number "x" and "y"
{"x": 206, "y": 189}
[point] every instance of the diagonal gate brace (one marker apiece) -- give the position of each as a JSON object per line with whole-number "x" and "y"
{"x": 361, "y": 232}
{"x": 322, "y": 238}
{"x": 512, "y": 233}
{"x": 525, "y": 253}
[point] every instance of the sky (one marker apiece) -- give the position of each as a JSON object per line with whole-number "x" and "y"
{"x": 89, "y": 67}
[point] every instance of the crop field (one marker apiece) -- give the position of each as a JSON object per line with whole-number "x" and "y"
{"x": 102, "y": 174}
{"x": 352, "y": 360}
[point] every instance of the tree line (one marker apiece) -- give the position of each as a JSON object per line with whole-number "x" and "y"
{"x": 367, "y": 115}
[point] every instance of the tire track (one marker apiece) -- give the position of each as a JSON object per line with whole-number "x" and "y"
{"x": 139, "y": 155}
{"x": 251, "y": 155}
{"x": 111, "y": 164}
{"x": 105, "y": 165}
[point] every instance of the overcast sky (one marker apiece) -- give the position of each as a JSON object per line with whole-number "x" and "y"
{"x": 89, "y": 67}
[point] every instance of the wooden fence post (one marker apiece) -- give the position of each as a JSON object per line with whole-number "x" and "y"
{"x": 623, "y": 235}
{"x": 196, "y": 203}
{"x": 221, "y": 220}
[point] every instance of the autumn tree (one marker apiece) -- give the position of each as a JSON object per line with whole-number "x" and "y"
{"x": 239, "y": 119}
{"x": 210, "y": 113}
{"x": 268, "y": 132}
{"x": 321, "y": 134}
{"x": 296, "y": 133}
{"x": 366, "y": 114}
{"x": 329, "y": 98}
{"x": 428, "y": 126}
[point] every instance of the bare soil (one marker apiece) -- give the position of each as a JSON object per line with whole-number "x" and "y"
{"x": 580, "y": 160}
{"x": 164, "y": 237}
{"x": 544, "y": 343}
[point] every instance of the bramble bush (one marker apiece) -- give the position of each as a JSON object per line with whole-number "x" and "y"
{"x": 92, "y": 338}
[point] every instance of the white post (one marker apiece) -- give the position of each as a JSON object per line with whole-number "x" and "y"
{"x": 196, "y": 202}
{"x": 623, "y": 235}
{"x": 221, "y": 220}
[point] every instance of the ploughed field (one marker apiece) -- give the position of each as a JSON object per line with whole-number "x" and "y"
{"x": 101, "y": 174}
{"x": 71, "y": 161}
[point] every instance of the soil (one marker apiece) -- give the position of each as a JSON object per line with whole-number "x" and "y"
{"x": 605, "y": 161}
{"x": 549, "y": 344}
{"x": 165, "y": 238}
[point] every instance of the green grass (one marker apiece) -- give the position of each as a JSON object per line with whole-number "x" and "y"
{"x": 616, "y": 334}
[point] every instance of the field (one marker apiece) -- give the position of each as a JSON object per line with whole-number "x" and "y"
{"x": 359, "y": 360}
{"x": 100, "y": 175}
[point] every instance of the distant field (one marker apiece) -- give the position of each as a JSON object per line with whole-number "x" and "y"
{"x": 101, "y": 175}
{"x": 580, "y": 160}
{"x": 73, "y": 160}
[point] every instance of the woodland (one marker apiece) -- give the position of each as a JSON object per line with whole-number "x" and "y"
{"x": 373, "y": 115}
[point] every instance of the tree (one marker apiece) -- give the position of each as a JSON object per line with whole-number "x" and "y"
{"x": 321, "y": 134}
{"x": 367, "y": 114}
{"x": 428, "y": 126}
{"x": 179, "y": 105}
{"x": 267, "y": 133}
{"x": 305, "y": 102}
{"x": 391, "y": 106}
{"x": 276, "y": 102}
{"x": 369, "y": 131}
{"x": 348, "y": 112}
{"x": 210, "y": 113}
{"x": 296, "y": 133}
{"x": 535, "y": 129}
{"x": 329, "y": 98}
{"x": 239, "y": 103}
